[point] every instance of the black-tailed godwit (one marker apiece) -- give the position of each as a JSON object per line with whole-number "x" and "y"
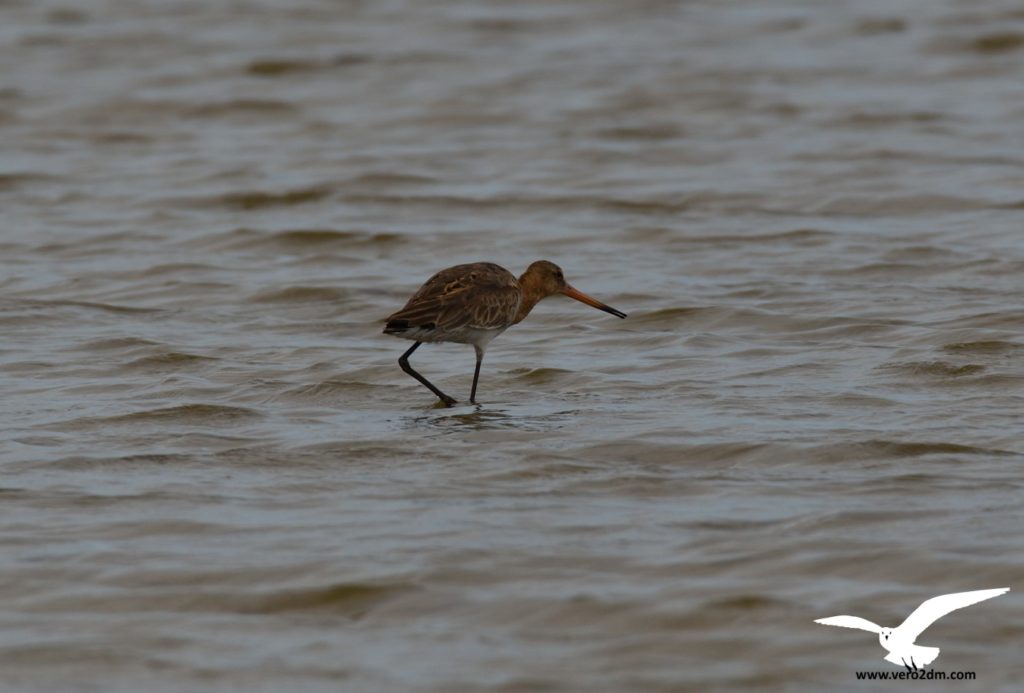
{"x": 473, "y": 304}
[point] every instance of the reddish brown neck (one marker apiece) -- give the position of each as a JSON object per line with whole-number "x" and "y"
{"x": 532, "y": 294}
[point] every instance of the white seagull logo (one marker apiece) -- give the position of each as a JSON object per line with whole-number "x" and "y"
{"x": 899, "y": 641}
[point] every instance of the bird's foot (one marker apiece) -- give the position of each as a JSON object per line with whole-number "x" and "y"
{"x": 912, "y": 667}
{"x": 448, "y": 401}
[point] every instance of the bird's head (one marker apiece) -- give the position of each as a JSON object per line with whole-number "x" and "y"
{"x": 885, "y": 636}
{"x": 542, "y": 279}
{"x": 545, "y": 278}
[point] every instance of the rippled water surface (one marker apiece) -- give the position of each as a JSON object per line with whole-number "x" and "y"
{"x": 215, "y": 476}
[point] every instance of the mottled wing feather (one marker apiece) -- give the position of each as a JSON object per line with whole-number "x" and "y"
{"x": 492, "y": 306}
{"x": 419, "y": 313}
{"x": 480, "y": 295}
{"x": 483, "y": 307}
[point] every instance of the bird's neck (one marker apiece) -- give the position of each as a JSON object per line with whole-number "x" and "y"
{"x": 532, "y": 294}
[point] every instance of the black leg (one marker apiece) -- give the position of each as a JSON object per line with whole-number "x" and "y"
{"x": 476, "y": 375}
{"x": 404, "y": 363}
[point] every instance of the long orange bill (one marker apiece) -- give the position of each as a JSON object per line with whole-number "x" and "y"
{"x": 583, "y": 298}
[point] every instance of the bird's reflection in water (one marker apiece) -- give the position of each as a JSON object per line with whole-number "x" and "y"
{"x": 479, "y": 418}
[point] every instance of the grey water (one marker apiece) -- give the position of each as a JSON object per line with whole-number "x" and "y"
{"x": 214, "y": 476}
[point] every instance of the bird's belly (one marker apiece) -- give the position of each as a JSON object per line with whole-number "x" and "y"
{"x": 476, "y": 336}
{"x": 420, "y": 334}
{"x": 905, "y": 652}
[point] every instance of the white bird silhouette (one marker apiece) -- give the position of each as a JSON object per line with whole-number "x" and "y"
{"x": 899, "y": 641}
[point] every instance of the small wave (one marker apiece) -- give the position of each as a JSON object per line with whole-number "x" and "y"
{"x": 803, "y": 237}
{"x": 120, "y": 137}
{"x": 1002, "y": 320}
{"x": 302, "y": 294}
{"x": 10, "y": 181}
{"x": 80, "y": 463}
{"x": 635, "y": 450}
{"x": 872, "y": 26}
{"x": 567, "y": 202}
{"x": 240, "y": 107}
{"x": 289, "y": 67}
{"x": 919, "y": 252}
{"x": 388, "y": 178}
{"x": 105, "y": 307}
{"x": 177, "y": 268}
{"x": 298, "y": 239}
{"x": 888, "y": 449}
{"x": 278, "y": 67}
{"x": 67, "y": 15}
{"x": 351, "y": 599}
{"x": 26, "y": 366}
{"x": 327, "y": 392}
{"x": 992, "y": 346}
{"x": 656, "y": 132}
{"x": 508, "y": 418}
{"x": 172, "y": 360}
{"x": 211, "y": 414}
{"x": 503, "y": 25}
{"x": 543, "y": 375}
{"x": 542, "y": 466}
{"x": 885, "y": 119}
{"x": 677, "y": 316}
{"x": 347, "y": 59}
{"x": 997, "y": 42}
{"x": 117, "y": 344}
{"x": 260, "y": 199}
{"x": 747, "y": 603}
{"x": 934, "y": 369}
{"x": 872, "y": 269}
{"x": 806, "y": 237}
{"x": 907, "y": 205}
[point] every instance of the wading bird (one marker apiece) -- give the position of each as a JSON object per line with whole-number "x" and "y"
{"x": 899, "y": 641}
{"x": 473, "y": 304}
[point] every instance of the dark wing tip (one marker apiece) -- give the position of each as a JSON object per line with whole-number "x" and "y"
{"x": 400, "y": 326}
{"x": 396, "y": 326}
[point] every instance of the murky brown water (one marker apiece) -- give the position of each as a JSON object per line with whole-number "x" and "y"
{"x": 215, "y": 476}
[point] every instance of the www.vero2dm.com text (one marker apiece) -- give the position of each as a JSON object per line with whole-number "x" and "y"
{"x": 929, "y": 675}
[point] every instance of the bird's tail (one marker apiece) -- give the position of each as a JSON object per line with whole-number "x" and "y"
{"x": 396, "y": 326}
{"x": 419, "y": 333}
